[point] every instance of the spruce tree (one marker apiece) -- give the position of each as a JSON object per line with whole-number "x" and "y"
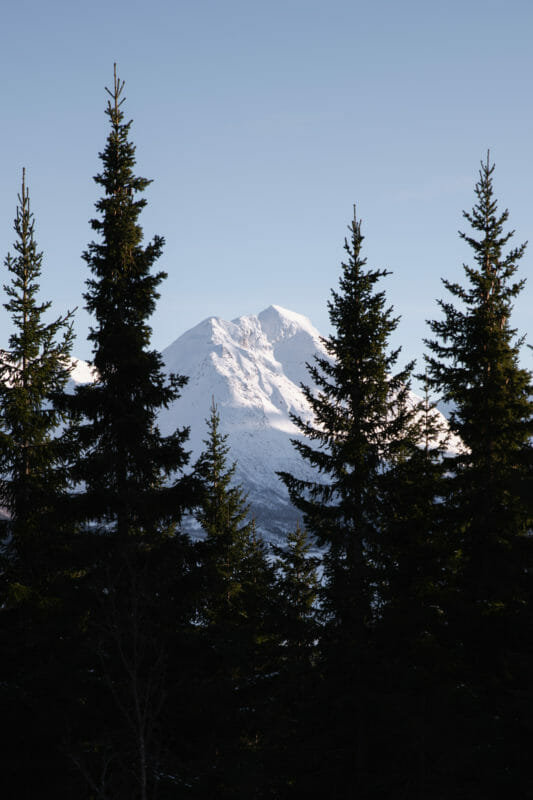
{"x": 222, "y": 514}
{"x": 474, "y": 365}
{"x": 297, "y": 589}
{"x": 34, "y": 367}
{"x": 124, "y": 461}
{"x": 362, "y": 425}
{"x": 235, "y": 616}
{"x": 34, "y": 370}
{"x": 130, "y": 495}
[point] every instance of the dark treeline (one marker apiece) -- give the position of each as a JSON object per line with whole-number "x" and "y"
{"x": 139, "y": 664}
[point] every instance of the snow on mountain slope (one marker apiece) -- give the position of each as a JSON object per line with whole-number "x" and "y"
{"x": 252, "y": 367}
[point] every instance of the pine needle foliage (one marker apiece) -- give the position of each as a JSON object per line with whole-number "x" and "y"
{"x": 297, "y": 588}
{"x": 125, "y": 460}
{"x": 222, "y": 513}
{"x": 223, "y": 502}
{"x": 474, "y": 363}
{"x": 361, "y": 426}
{"x": 475, "y": 352}
{"x": 33, "y": 368}
{"x": 130, "y": 494}
{"x": 235, "y": 624}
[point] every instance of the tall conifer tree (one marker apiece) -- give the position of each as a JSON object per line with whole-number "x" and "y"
{"x": 124, "y": 468}
{"x": 33, "y": 368}
{"x": 363, "y": 424}
{"x": 222, "y": 513}
{"x": 236, "y": 622}
{"x": 124, "y": 459}
{"x": 474, "y": 365}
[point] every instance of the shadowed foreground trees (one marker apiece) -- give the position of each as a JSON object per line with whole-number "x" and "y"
{"x": 363, "y": 426}
{"x": 474, "y": 365}
{"x": 395, "y": 663}
{"x": 424, "y": 649}
{"x": 123, "y": 459}
{"x": 129, "y": 500}
{"x": 33, "y": 368}
{"x": 235, "y": 621}
{"x": 33, "y": 478}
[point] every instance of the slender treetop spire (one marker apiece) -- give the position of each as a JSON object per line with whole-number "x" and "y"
{"x": 127, "y": 459}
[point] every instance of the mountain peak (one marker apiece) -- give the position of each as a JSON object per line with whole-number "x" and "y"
{"x": 254, "y": 367}
{"x": 280, "y": 323}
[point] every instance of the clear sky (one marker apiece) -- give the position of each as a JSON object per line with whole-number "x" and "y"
{"x": 261, "y": 124}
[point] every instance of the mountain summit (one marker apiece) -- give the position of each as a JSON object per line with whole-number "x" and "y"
{"x": 252, "y": 367}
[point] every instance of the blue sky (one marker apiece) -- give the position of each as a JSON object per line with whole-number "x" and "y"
{"x": 261, "y": 124}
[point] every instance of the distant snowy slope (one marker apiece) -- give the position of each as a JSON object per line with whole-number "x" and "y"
{"x": 252, "y": 367}
{"x": 81, "y": 372}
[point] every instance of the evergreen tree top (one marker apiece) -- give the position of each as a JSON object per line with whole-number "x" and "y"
{"x": 126, "y": 462}
{"x": 122, "y": 292}
{"x": 37, "y": 357}
{"x": 32, "y": 338}
{"x": 361, "y": 402}
{"x": 489, "y": 281}
{"x": 33, "y": 373}
{"x": 360, "y": 315}
{"x": 474, "y": 357}
{"x": 223, "y": 509}
{"x": 363, "y": 424}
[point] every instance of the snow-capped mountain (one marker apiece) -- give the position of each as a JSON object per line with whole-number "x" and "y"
{"x": 252, "y": 367}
